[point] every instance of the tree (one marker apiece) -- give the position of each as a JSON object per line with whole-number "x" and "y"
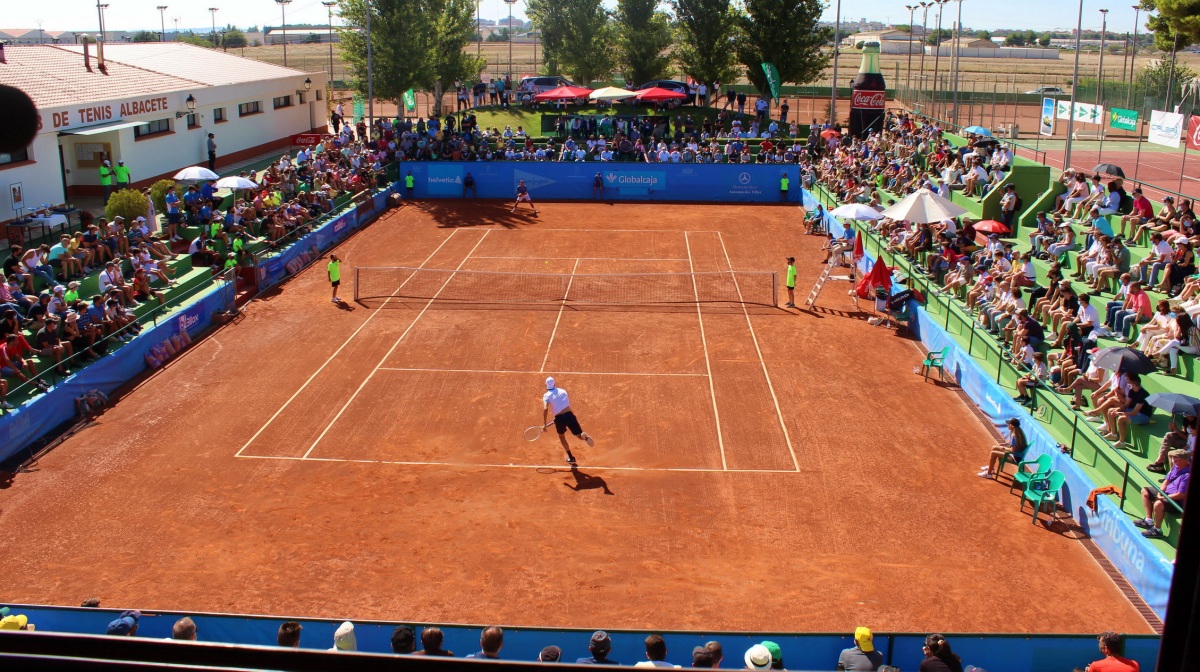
{"x": 311, "y": 38}
{"x": 705, "y": 29}
{"x": 499, "y": 35}
{"x": 551, "y": 18}
{"x": 938, "y": 36}
{"x": 903, "y": 27}
{"x": 1031, "y": 38}
{"x": 1175, "y": 18}
{"x": 194, "y": 39}
{"x": 1044, "y": 40}
{"x": 145, "y": 36}
{"x": 586, "y": 50}
{"x": 234, "y": 38}
{"x": 783, "y": 32}
{"x": 416, "y": 44}
{"x": 1154, "y": 76}
{"x": 985, "y": 35}
{"x": 1016, "y": 39}
{"x": 643, "y": 37}
{"x": 128, "y": 203}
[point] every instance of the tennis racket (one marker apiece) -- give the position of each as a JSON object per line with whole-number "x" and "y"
{"x": 532, "y": 433}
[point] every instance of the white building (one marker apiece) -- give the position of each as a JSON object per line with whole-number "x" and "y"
{"x": 150, "y": 105}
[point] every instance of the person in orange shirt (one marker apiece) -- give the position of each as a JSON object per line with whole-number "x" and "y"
{"x": 1112, "y": 645}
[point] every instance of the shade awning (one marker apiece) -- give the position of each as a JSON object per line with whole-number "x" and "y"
{"x": 102, "y": 128}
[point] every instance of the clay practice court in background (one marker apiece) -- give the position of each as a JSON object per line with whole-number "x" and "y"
{"x": 755, "y": 468}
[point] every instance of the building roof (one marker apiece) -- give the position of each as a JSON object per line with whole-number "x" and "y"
{"x": 189, "y": 62}
{"x": 54, "y": 75}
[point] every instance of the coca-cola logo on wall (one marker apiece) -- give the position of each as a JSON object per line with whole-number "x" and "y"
{"x": 868, "y": 100}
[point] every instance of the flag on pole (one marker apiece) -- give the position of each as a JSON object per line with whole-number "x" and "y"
{"x": 410, "y": 100}
{"x": 1126, "y": 120}
{"x": 772, "y": 74}
{"x": 1193, "y": 132}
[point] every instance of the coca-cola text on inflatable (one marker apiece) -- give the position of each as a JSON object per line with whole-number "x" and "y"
{"x": 868, "y": 100}
{"x": 308, "y": 139}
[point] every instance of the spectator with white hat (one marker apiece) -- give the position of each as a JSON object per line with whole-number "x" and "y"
{"x": 344, "y": 639}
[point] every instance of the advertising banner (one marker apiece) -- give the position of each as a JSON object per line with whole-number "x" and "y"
{"x": 1046, "y": 126}
{"x": 1125, "y": 120}
{"x": 1165, "y": 128}
{"x": 1090, "y": 114}
{"x": 1193, "y": 134}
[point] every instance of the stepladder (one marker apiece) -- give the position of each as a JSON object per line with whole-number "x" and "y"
{"x": 816, "y": 290}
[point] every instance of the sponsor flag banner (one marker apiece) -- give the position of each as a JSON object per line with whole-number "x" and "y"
{"x": 1125, "y": 120}
{"x": 1046, "y": 127}
{"x": 410, "y": 100}
{"x": 1193, "y": 134}
{"x": 1083, "y": 112}
{"x": 772, "y": 74}
{"x": 1165, "y": 128}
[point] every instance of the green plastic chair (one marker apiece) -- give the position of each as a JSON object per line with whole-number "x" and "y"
{"x": 935, "y": 360}
{"x": 1022, "y": 477}
{"x": 1043, "y": 490}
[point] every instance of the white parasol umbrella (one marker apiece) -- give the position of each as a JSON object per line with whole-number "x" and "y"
{"x": 856, "y": 211}
{"x": 196, "y": 173}
{"x": 235, "y": 182}
{"x": 923, "y": 207}
{"x": 612, "y": 93}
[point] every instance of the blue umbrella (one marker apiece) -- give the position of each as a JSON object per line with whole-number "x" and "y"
{"x": 977, "y": 130}
{"x": 1174, "y": 403}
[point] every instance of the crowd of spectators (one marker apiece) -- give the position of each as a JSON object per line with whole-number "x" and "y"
{"x": 862, "y": 656}
{"x": 1047, "y": 323}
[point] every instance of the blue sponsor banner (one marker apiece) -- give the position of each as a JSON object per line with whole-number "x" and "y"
{"x": 818, "y": 651}
{"x": 42, "y": 414}
{"x": 725, "y": 183}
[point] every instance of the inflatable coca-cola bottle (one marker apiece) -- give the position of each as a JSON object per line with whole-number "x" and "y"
{"x": 867, "y": 95}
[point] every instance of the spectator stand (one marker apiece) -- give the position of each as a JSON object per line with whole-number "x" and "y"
{"x": 801, "y": 651}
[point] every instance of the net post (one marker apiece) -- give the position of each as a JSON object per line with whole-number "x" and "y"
{"x": 775, "y": 288}
{"x": 356, "y": 297}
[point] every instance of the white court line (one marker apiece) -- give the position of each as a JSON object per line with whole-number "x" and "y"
{"x": 782, "y": 425}
{"x": 480, "y": 256}
{"x": 394, "y": 346}
{"x": 561, "y": 373}
{"x": 506, "y": 230}
{"x": 561, "y": 308}
{"x": 339, "y": 350}
{"x": 559, "y": 467}
{"x": 712, "y": 391}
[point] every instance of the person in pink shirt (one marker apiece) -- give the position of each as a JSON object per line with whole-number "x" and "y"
{"x": 1143, "y": 211}
{"x": 1137, "y": 310}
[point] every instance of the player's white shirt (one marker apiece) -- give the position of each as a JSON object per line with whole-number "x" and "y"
{"x": 557, "y": 398}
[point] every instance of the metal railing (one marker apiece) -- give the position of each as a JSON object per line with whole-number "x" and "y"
{"x": 958, "y": 321}
{"x": 50, "y": 376}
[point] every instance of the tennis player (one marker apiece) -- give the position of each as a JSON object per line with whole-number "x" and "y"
{"x": 335, "y": 275}
{"x": 523, "y": 197}
{"x": 555, "y": 401}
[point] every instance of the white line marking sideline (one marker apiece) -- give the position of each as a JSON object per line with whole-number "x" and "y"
{"x": 561, "y": 308}
{"x": 712, "y": 391}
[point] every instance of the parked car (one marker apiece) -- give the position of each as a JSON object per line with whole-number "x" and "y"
{"x": 542, "y": 84}
{"x": 1047, "y": 91}
{"x": 670, "y": 85}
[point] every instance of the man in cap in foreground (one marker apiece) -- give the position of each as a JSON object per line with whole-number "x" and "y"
{"x": 599, "y": 647}
{"x": 862, "y": 657}
{"x": 124, "y": 626}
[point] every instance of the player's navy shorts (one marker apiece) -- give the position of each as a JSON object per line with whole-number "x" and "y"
{"x": 565, "y": 421}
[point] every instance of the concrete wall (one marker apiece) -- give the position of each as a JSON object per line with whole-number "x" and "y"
{"x": 1000, "y": 52}
{"x": 39, "y": 177}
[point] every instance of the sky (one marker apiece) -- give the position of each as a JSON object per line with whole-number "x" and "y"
{"x": 1038, "y": 15}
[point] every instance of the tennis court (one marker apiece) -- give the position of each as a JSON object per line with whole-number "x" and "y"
{"x": 754, "y": 468}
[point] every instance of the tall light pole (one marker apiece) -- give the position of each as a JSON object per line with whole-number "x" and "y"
{"x": 837, "y": 50}
{"x": 1100, "y": 69}
{"x": 329, "y": 5}
{"x": 478, "y": 29}
{"x": 213, "y": 11}
{"x": 1133, "y": 56}
{"x": 1074, "y": 88}
{"x": 510, "y": 4}
{"x": 924, "y": 37}
{"x": 956, "y": 63}
{"x": 176, "y": 20}
{"x": 162, "y": 21}
{"x": 371, "y": 75}
{"x": 937, "y": 56}
{"x": 912, "y": 9}
{"x": 283, "y": 18}
{"x": 100, "y": 13}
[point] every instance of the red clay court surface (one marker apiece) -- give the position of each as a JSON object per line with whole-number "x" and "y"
{"x": 755, "y": 469}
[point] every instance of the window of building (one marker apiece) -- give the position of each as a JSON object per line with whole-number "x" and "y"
{"x": 192, "y": 120}
{"x": 249, "y": 108}
{"x": 153, "y": 128}
{"x": 301, "y": 98}
{"x": 14, "y": 157}
{"x": 218, "y": 115}
{"x": 282, "y": 101}
{"x": 319, "y": 95}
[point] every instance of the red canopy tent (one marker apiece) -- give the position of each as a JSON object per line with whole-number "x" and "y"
{"x": 880, "y": 276}
{"x": 564, "y": 93}
{"x": 656, "y": 94}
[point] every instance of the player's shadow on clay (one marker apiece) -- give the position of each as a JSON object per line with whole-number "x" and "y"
{"x": 587, "y": 482}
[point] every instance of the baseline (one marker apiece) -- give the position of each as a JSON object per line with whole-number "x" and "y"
{"x": 393, "y": 348}
{"x": 512, "y": 465}
{"x": 561, "y": 373}
{"x": 342, "y": 347}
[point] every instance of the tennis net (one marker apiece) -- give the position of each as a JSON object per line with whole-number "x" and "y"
{"x": 751, "y": 287}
